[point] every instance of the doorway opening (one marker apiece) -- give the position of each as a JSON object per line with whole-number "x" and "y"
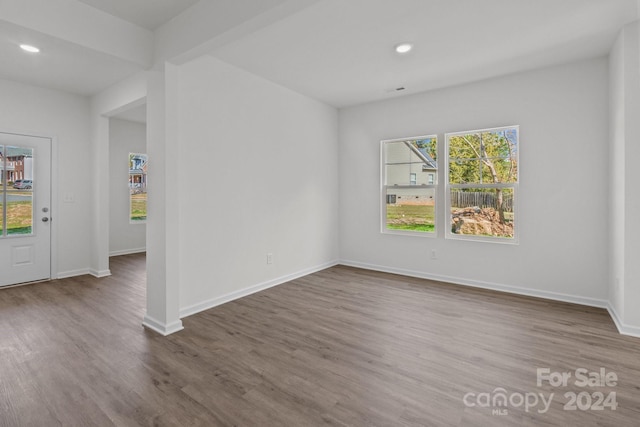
{"x": 127, "y": 181}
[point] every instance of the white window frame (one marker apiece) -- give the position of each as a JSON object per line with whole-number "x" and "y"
{"x": 384, "y": 187}
{"x": 514, "y": 186}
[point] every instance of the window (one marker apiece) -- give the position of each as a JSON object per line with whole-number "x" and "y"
{"x": 482, "y": 183}
{"x": 137, "y": 187}
{"x": 409, "y": 171}
{"x": 16, "y": 193}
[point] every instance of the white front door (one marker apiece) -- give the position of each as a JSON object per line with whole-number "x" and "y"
{"x": 25, "y": 208}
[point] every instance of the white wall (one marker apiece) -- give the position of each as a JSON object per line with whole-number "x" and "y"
{"x": 124, "y": 137}
{"x": 632, "y": 197}
{"x": 624, "y": 279}
{"x": 25, "y": 108}
{"x": 617, "y": 175}
{"x": 563, "y": 118}
{"x": 258, "y": 174}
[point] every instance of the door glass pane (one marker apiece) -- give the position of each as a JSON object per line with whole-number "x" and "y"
{"x": 19, "y": 190}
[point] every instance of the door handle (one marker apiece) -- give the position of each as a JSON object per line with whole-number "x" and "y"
{"x": 45, "y": 219}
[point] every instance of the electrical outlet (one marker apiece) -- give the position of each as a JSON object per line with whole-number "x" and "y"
{"x": 269, "y": 258}
{"x": 434, "y": 254}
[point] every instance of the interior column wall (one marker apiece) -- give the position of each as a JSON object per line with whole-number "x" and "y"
{"x": 163, "y": 282}
{"x": 258, "y": 175}
{"x": 624, "y": 279}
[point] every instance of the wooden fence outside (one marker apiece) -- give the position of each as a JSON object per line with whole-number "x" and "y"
{"x": 464, "y": 199}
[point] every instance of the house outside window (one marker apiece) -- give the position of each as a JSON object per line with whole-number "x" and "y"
{"x": 408, "y": 199}
{"x": 137, "y": 187}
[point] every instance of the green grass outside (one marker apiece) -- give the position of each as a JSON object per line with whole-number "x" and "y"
{"x": 139, "y": 207}
{"x": 17, "y": 230}
{"x": 412, "y": 227}
{"x": 19, "y": 218}
{"x": 411, "y": 217}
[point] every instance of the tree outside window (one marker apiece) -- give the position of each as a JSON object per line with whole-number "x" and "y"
{"x": 482, "y": 182}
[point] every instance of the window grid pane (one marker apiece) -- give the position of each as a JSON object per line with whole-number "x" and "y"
{"x": 410, "y": 179}
{"x": 482, "y": 212}
{"x": 411, "y": 209}
{"x": 138, "y": 164}
{"x": 483, "y": 156}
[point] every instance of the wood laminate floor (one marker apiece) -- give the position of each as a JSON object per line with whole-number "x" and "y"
{"x": 342, "y": 347}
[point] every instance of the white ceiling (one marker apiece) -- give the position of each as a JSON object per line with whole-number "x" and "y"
{"x": 83, "y": 50}
{"x": 89, "y": 45}
{"x": 149, "y": 14}
{"x": 341, "y": 52}
{"x": 337, "y": 51}
{"x": 60, "y": 65}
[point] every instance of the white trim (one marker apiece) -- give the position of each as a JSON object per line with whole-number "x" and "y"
{"x": 53, "y": 208}
{"x": 214, "y": 302}
{"x": 410, "y": 138}
{"x": 160, "y": 327}
{"x": 591, "y": 302}
{"x": 99, "y": 274}
{"x": 127, "y": 251}
{"x": 430, "y": 234}
{"x": 632, "y": 331}
{"x": 614, "y": 316}
{"x": 72, "y": 273}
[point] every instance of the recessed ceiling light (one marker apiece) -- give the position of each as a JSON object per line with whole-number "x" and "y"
{"x": 404, "y": 47}
{"x": 29, "y": 48}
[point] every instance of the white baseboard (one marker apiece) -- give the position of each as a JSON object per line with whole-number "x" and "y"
{"x": 127, "y": 251}
{"x": 99, "y": 273}
{"x": 160, "y": 327}
{"x": 72, "y": 273}
{"x": 632, "y": 331}
{"x": 592, "y": 302}
{"x": 205, "y": 305}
